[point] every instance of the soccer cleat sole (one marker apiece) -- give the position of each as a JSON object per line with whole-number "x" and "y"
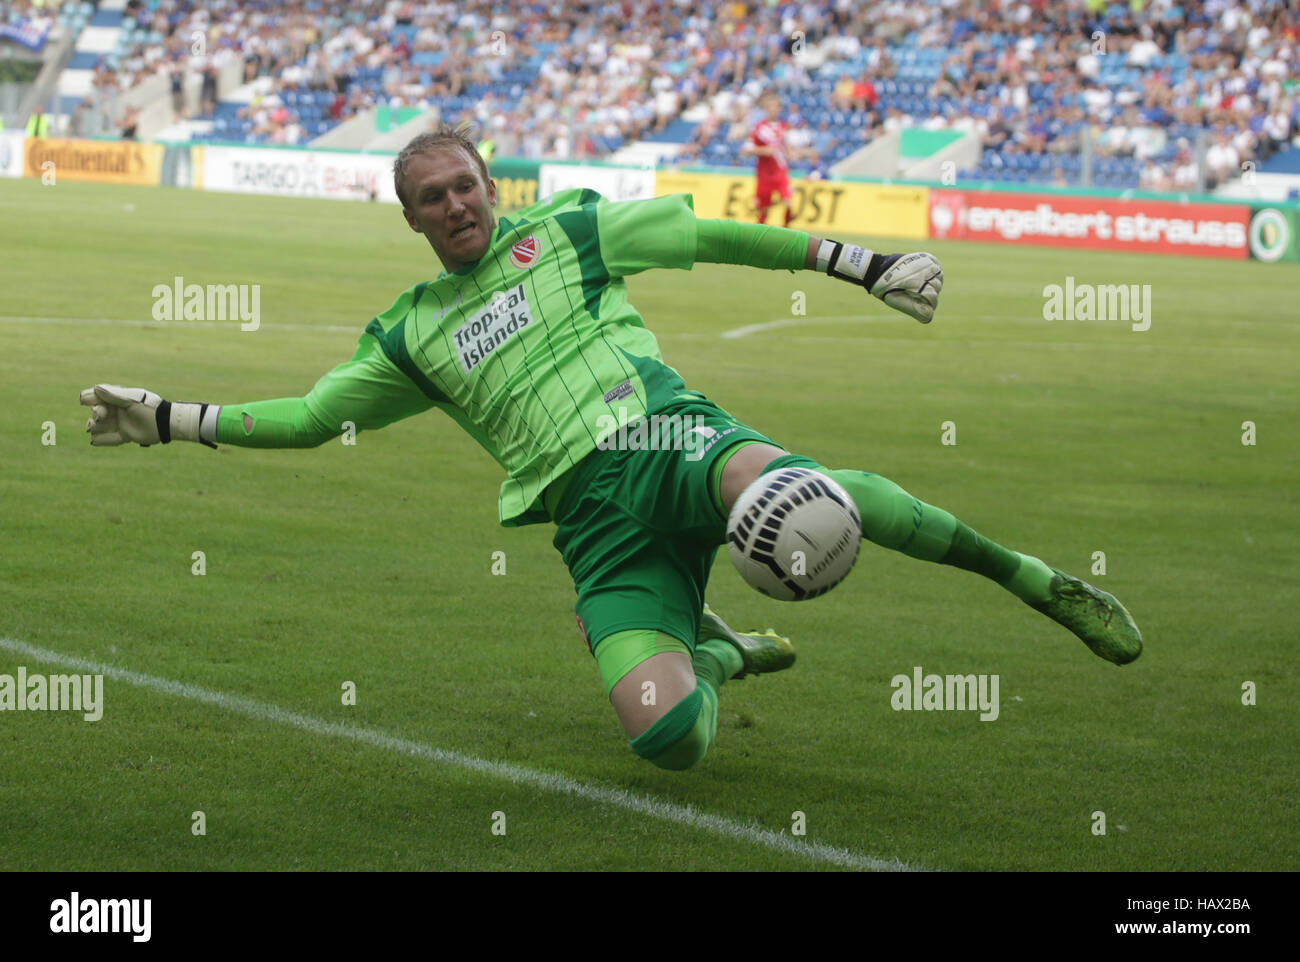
{"x": 1095, "y": 616}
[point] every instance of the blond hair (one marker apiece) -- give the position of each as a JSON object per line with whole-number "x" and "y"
{"x": 442, "y": 137}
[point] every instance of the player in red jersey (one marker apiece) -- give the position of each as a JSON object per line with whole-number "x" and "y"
{"x": 767, "y": 142}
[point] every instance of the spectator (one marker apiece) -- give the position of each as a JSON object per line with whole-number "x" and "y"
{"x": 864, "y": 93}
{"x": 842, "y": 96}
{"x": 38, "y": 124}
{"x": 130, "y": 123}
{"x": 1185, "y": 170}
{"x": 176, "y": 77}
{"x": 1222, "y": 161}
{"x": 208, "y": 93}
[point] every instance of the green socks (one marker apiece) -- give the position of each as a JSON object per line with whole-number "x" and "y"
{"x": 894, "y": 519}
{"x": 715, "y": 662}
{"x": 1032, "y": 581}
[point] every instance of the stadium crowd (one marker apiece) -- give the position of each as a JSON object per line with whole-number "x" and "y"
{"x": 1141, "y": 80}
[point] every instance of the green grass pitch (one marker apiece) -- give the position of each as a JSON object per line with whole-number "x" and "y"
{"x": 372, "y": 564}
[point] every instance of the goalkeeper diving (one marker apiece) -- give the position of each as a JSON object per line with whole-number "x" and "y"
{"x": 527, "y": 340}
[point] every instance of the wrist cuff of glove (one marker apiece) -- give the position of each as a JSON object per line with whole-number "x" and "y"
{"x": 849, "y": 262}
{"x": 187, "y": 421}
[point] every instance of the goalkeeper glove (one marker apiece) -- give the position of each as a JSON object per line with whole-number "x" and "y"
{"x": 122, "y": 414}
{"x": 906, "y": 282}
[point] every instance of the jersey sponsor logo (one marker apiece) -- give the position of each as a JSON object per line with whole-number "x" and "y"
{"x": 620, "y": 392}
{"x": 507, "y": 315}
{"x": 524, "y": 252}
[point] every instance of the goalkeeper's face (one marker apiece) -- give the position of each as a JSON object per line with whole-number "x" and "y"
{"x": 450, "y": 204}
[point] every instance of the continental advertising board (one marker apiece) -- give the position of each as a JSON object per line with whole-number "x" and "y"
{"x": 100, "y": 161}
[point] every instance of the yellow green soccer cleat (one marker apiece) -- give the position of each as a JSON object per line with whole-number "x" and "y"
{"x": 761, "y": 651}
{"x": 1095, "y": 616}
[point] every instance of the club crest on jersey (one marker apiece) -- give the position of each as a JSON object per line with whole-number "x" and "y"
{"x": 524, "y": 252}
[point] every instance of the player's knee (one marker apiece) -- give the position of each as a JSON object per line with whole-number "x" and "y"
{"x": 681, "y": 736}
{"x": 686, "y": 751}
{"x": 749, "y": 462}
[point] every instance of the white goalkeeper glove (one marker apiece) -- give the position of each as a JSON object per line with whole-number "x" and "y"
{"x": 122, "y": 414}
{"x": 906, "y": 282}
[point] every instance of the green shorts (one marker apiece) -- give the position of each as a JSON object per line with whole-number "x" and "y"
{"x": 637, "y": 527}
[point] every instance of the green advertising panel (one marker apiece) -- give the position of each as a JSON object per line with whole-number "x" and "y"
{"x": 516, "y": 182}
{"x": 1273, "y": 232}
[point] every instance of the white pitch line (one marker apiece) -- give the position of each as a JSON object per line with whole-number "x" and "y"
{"x": 548, "y": 781}
{"x": 748, "y": 329}
{"x": 231, "y": 325}
{"x": 780, "y": 322}
{"x": 738, "y": 332}
{"x": 943, "y": 319}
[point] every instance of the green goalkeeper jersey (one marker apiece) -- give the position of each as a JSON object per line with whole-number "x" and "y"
{"x": 533, "y": 349}
{"x": 529, "y": 346}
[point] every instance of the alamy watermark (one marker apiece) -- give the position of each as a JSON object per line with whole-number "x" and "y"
{"x": 83, "y": 693}
{"x": 920, "y": 692}
{"x": 214, "y": 302}
{"x": 1098, "y": 302}
{"x": 630, "y": 431}
{"x": 76, "y": 915}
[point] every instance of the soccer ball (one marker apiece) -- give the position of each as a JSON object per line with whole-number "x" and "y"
{"x": 793, "y": 534}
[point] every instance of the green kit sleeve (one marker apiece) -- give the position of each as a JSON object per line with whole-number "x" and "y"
{"x": 368, "y": 390}
{"x": 755, "y": 245}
